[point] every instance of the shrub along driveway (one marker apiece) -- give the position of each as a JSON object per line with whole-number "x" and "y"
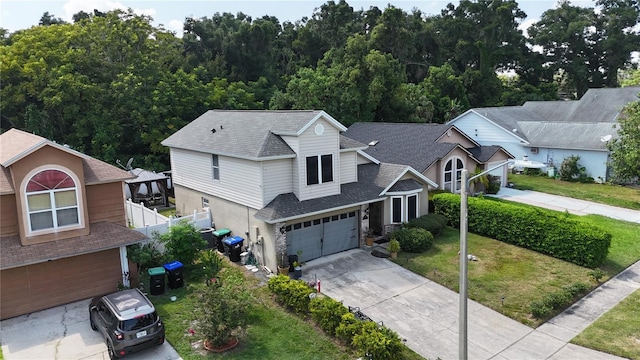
{"x": 426, "y": 313}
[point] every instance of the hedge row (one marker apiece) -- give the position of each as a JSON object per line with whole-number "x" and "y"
{"x": 433, "y": 223}
{"x": 542, "y": 230}
{"x": 372, "y": 341}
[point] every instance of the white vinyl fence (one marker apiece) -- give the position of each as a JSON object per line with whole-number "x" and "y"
{"x": 149, "y": 221}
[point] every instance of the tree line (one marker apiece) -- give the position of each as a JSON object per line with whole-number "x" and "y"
{"x": 112, "y": 85}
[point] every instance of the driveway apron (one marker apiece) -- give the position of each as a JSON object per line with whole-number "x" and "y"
{"x": 425, "y": 314}
{"x": 63, "y": 333}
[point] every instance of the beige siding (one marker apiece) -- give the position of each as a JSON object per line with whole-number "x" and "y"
{"x": 456, "y": 137}
{"x": 235, "y": 217}
{"x": 9, "y": 221}
{"x": 106, "y": 203}
{"x": 348, "y": 167}
{"x": 315, "y": 145}
{"x": 277, "y": 178}
{"x": 240, "y": 179}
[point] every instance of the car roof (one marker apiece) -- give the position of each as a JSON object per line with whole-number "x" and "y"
{"x": 128, "y": 304}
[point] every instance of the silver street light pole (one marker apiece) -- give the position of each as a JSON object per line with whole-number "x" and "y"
{"x": 464, "y": 224}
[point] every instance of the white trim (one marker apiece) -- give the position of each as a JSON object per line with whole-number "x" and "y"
{"x": 369, "y": 157}
{"x": 124, "y": 266}
{"x": 454, "y": 171}
{"x": 391, "y": 213}
{"x": 412, "y": 171}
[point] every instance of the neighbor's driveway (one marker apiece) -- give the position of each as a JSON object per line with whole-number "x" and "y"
{"x": 563, "y": 203}
{"x": 426, "y": 313}
{"x": 63, "y": 333}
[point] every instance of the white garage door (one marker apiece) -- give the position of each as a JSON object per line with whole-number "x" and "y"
{"x": 324, "y": 236}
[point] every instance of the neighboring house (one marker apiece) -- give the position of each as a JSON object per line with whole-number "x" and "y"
{"x": 551, "y": 131}
{"x": 267, "y": 173}
{"x": 63, "y": 231}
{"x": 439, "y": 152}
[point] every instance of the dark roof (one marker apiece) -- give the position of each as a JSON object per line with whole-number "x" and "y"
{"x": 484, "y": 153}
{"x": 249, "y": 134}
{"x": 405, "y": 185}
{"x": 372, "y": 180}
{"x": 410, "y": 144}
{"x": 103, "y": 236}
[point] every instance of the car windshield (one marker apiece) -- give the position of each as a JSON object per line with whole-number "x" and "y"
{"x": 139, "y": 322}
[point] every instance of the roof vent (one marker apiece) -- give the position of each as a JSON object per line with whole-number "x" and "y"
{"x": 213, "y": 131}
{"x": 373, "y": 143}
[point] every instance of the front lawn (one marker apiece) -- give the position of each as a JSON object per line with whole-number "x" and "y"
{"x": 273, "y": 333}
{"x": 614, "y": 195}
{"x": 505, "y": 278}
{"x": 617, "y": 331}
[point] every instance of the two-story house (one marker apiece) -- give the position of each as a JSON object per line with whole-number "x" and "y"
{"x": 439, "y": 152}
{"x": 63, "y": 231}
{"x": 267, "y": 173}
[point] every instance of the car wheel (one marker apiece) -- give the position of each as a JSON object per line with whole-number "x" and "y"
{"x": 112, "y": 353}
{"x": 93, "y": 326}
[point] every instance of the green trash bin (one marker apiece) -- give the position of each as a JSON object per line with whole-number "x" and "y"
{"x": 218, "y": 236}
{"x": 156, "y": 280}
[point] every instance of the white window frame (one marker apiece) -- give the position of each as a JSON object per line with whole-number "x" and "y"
{"x": 319, "y": 168}
{"x": 417, "y": 205}
{"x": 215, "y": 167}
{"x": 456, "y": 174}
{"x": 54, "y": 209}
{"x": 205, "y": 202}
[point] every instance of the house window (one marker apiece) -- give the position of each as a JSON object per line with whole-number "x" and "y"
{"x": 396, "y": 210}
{"x": 453, "y": 170}
{"x": 412, "y": 207}
{"x": 205, "y": 203}
{"x": 52, "y": 201}
{"x": 319, "y": 169}
{"x": 215, "y": 167}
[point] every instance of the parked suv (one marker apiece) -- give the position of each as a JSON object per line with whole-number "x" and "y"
{"x": 127, "y": 320}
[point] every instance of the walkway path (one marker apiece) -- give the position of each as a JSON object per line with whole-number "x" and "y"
{"x": 562, "y": 203}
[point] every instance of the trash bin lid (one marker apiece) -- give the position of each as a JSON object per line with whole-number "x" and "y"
{"x": 156, "y": 271}
{"x": 173, "y": 265}
{"x": 233, "y": 240}
{"x": 222, "y": 232}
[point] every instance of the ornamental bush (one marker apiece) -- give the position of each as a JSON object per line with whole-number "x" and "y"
{"x": 433, "y": 223}
{"x": 183, "y": 242}
{"x": 413, "y": 239}
{"x": 291, "y": 293}
{"x": 541, "y": 230}
{"x": 327, "y": 313}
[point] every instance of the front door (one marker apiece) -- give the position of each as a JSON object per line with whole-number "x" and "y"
{"x": 375, "y": 217}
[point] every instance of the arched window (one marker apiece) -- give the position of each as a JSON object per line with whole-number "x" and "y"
{"x": 453, "y": 170}
{"x": 52, "y": 200}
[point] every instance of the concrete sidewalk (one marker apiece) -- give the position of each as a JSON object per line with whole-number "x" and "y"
{"x": 426, "y": 313}
{"x": 562, "y": 203}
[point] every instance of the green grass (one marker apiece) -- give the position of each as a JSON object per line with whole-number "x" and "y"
{"x": 273, "y": 332}
{"x": 617, "y": 331}
{"x": 502, "y": 270}
{"x": 614, "y": 195}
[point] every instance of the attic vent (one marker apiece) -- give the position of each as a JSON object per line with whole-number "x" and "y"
{"x": 534, "y": 150}
{"x": 373, "y": 143}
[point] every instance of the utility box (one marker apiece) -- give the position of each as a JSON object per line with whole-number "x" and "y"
{"x": 156, "y": 280}
{"x": 174, "y": 274}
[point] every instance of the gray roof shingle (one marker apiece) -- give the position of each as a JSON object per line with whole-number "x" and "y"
{"x": 410, "y": 144}
{"x": 372, "y": 180}
{"x": 251, "y": 134}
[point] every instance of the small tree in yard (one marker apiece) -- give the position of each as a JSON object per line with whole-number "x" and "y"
{"x": 183, "y": 242}
{"x": 222, "y": 310}
{"x": 625, "y": 150}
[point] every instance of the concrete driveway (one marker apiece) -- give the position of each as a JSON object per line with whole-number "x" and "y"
{"x": 63, "y": 333}
{"x": 426, "y": 313}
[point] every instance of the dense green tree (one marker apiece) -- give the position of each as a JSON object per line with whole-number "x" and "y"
{"x": 625, "y": 157}
{"x": 50, "y": 19}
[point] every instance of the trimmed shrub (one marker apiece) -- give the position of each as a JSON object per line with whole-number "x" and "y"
{"x": 541, "y": 230}
{"x": 413, "y": 239}
{"x": 433, "y": 223}
{"x": 557, "y": 300}
{"x": 292, "y": 293}
{"x": 349, "y": 326}
{"x": 377, "y": 342}
{"x": 327, "y": 313}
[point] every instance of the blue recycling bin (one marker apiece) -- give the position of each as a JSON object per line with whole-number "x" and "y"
{"x": 233, "y": 247}
{"x": 174, "y": 274}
